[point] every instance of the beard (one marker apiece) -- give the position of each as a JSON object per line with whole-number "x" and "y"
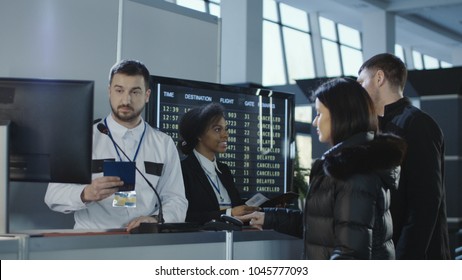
{"x": 126, "y": 116}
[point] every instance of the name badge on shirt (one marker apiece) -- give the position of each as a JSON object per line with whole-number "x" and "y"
{"x": 153, "y": 168}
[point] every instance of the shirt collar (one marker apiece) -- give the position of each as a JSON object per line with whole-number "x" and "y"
{"x": 208, "y": 165}
{"x": 392, "y": 110}
{"x": 400, "y": 103}
{"x": 120, "y": 130}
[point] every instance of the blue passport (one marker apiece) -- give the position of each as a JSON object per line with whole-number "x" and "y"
{"x": 125, "y": 170}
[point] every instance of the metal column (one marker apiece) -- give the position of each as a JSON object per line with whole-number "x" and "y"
{"x": 4, "y": 176}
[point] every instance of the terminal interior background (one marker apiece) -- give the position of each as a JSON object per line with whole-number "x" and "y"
{"x": 259, "y": 43}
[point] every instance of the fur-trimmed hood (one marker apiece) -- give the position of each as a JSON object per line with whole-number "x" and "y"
{"x": 366, "y": 153}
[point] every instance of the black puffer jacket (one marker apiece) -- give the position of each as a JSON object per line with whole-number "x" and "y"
{"x": 347, "y": 207}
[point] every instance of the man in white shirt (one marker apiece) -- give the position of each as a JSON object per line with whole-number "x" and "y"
{"x": 153, "y": 151}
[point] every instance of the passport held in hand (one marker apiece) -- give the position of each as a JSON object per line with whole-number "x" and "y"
{"x": 123, "y": 169}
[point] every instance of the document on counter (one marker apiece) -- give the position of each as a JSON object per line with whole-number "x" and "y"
{"x": 256, "y": 200}
{"x": 259, "y": 200}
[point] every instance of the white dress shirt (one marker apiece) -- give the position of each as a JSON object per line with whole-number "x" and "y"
{"x": 156, "y": 147}
{"x": 210, "y": 167}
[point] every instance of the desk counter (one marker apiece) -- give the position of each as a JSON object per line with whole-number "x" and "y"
{"x": 205, "y": 245}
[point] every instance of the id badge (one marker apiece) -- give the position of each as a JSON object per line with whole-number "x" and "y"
{"x": 124, "y": 199}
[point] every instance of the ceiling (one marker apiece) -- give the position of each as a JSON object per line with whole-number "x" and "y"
{"x": 433, "y": 27}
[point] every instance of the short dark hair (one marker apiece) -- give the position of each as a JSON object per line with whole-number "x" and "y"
{"x": 394, "y": 68}
{"x": 131, "y": 68}
{"x": 351, "y": 109}
{"x": 195, "y": 122}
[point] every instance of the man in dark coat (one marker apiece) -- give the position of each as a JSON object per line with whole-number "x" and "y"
{"x": 418, "y": 207}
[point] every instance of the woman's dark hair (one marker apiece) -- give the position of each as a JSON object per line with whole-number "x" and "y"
{"x": 194, "y": 123}
{"x": 351, "y": 109}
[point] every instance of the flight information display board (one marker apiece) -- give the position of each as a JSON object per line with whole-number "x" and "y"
{"x": 260, "y": 124}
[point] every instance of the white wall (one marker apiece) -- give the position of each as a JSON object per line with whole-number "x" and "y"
{"x": 78, "y": 39}
{"x": 171, "y": 40}
{"x": 68, "y": 39}
{"x": 59, "y": 39}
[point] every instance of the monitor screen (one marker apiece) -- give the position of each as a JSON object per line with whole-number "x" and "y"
{"x": 261, "y": 143}
{"x": 50, "y": 131}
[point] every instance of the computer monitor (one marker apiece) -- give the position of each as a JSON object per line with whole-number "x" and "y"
{"x": 50, "y": 130}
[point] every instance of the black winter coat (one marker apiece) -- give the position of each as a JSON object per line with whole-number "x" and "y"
{"x": 347, "y": 207}
{"x": 202, "y": 202}
{"x": 418, "y": 207}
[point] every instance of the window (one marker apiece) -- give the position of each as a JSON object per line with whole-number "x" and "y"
{"x": 399, "y": 52}
{"x": 303, "y": 140}
{"x": 298, "y": 48}
{"x": 293, "y": 17}
{"x": 430, "y": 62}
{"x": 270, "y": 10}
{"x": 287, "y": 49}
{"x": 288, "y": 56}
{"x": 331, "y": 58}
{"x": 349, "y": 36}
{"x": 304, "y": 151}
{"x": 273, "y": 62}
{"x": 197, "y": 5}
{"x": 303, "y": 113}
{"x": 445, "y": 64}
{"x": 214, "y": 9}
{"x": 417, "y": 58}
{"x": 206, "y": 6}
{"x": 327, "y": 29}
{"x": 423, "y": 61}
{"x": 351, "y": 60}
{"x": 342, "y": 48}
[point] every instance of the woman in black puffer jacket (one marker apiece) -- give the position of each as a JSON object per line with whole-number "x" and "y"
{"x": 347, "y": 207}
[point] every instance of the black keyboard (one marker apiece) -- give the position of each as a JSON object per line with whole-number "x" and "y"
{"x": 166, "y": 227}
